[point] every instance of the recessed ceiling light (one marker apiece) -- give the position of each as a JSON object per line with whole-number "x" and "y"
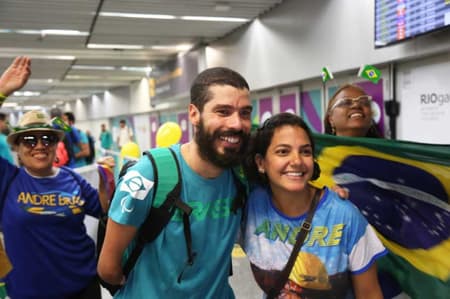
{"x": 9, "y": 104}
{"x": 94, "y": 67}
{"x": 115, "y": 46}
{"x": 180, "y": 47}
{"x": 137, "y": 15}
{"x": 214, "y": 19}
{"x": 26, "y": 93}
{"x": 64, "y": 32}
{"x": 145, "y": 69}
{"x": 46, "y": 32}
{"x": 56, "y": 57}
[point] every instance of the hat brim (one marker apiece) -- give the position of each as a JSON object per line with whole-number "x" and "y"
{"x": 13, "y": 136}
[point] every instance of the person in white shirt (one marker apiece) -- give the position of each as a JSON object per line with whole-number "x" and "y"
{"x": 125, "y": 134}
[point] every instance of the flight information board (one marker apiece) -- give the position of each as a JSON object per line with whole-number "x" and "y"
{"x": 397, "y": 20}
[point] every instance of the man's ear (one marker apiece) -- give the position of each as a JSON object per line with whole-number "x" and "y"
{"x": 194, "y": 115}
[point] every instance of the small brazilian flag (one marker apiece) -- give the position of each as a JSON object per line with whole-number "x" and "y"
{"x": 61, "y": 124}
{"x": 326, "y": 74}
{"x": 370, "y": 73}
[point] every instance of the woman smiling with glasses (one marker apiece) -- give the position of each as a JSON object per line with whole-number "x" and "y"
{"x": 42, "y": 209}
{"x": 349, "y": 113}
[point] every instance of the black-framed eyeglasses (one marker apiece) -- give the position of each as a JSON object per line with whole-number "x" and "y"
{"x": 31, "y": 141}
{"x": 347, "y": 102}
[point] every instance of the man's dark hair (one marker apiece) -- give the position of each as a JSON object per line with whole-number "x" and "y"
{"x": 70, "y": 116}
{"x": 214, "y": 76}
{"x": 2, "y": 116}
{"x": 122, "y": 121}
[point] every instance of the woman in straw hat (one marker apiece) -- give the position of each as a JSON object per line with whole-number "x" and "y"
{"x": 42, "y": 209}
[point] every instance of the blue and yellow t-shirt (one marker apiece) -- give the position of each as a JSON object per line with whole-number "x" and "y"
{"x": 44, "y": 233}
{"x": 340, "y": 243}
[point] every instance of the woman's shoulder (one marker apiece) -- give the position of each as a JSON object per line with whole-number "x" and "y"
{"x": 333, "y": 200}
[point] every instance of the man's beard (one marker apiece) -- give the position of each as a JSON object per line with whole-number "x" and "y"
{"x": 231, "y": 156}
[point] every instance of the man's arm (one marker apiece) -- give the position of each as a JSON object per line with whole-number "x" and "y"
{"x": 117, "y": 239}
{"x": 366, "y": 286}
{"x": 84, "y": 150}
{"x": 15, "y": 76}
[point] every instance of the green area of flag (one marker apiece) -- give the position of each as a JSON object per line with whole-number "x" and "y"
{"x": 370, "y": 73}
{"x": 61, "y": 124}
{"x": 326, "y": 74}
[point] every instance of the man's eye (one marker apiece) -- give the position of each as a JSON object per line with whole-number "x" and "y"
{"x": 246, "y": 114}
{"x": 223, "y": 112}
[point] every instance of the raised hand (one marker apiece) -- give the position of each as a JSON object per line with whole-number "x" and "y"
{"x": 15, "y": 76}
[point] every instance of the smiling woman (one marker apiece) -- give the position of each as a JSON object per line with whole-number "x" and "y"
{"x": 35, "y": 142}
{"x": 349, "y": 113}
{"x": 337, "y": 256}
{"x": 43, "y": 208}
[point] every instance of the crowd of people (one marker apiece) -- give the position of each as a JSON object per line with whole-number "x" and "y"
{"x": 43, "y": 205}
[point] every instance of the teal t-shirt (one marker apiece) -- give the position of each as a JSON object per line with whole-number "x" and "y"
{"x": 106, "y": 140}
{"x": 213, "y": 226}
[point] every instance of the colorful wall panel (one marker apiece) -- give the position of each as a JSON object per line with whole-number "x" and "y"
{"x": 311, "y": 109}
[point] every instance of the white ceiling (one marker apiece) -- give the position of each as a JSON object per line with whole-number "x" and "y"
{"x": 55, "y": 57}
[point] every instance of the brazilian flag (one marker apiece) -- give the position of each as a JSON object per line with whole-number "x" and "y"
{"x": 403, "y": 189}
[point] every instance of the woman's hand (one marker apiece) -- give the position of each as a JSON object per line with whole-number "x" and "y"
{"x": 343, "y": 193}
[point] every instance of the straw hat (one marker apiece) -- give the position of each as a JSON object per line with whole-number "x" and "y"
{"x": 31, "y": 121}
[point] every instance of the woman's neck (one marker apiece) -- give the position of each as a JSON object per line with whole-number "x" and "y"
{"x": 354, "y": 132}
{"x": 42, "y": 173}
{"x": 294, "y": 204}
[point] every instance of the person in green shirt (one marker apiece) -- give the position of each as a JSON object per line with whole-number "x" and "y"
{"x": 105, "y": 138}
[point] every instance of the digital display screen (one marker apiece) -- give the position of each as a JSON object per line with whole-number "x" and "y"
{"x": 398, "y": 20}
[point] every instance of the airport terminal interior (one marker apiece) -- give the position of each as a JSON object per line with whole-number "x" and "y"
{"x": 109, "y": 61}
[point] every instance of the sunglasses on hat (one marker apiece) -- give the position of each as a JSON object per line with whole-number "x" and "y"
{"x": 31, "y": 141}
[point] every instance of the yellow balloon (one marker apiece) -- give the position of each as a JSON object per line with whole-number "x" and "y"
{"x": 169, "y": 133}
{"x": 130, "y": 149}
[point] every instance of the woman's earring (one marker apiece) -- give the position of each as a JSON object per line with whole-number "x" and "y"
{"x": 261, "y": 170}
{"x": 333, "y": 130}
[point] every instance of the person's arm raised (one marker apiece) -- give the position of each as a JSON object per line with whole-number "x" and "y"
{"x": 14, "y": 77}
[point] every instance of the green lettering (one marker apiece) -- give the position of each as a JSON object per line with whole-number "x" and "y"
{"x": 279, "y": 231}
{"x": 336, "y": 234}
{"x": 199, "y": 211}
{"x": 264, "y": 228}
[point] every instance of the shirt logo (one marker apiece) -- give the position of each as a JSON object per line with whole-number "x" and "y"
{"x": 136, "y": 185}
